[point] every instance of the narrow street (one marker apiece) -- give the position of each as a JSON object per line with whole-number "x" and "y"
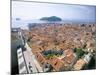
{"x": 32, "y": 64}
{"x": 31, "y": 60}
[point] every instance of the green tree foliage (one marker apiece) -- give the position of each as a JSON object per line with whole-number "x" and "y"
{"x": 52, "y": 55}
{"x": 79, "y": 52}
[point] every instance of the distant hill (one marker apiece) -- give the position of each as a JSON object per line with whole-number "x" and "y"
{"x": 18, "y": 19}
{"x": 52, "y": 18}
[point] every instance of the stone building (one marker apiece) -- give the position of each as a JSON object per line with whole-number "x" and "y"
{"x": 40, "y": 58}
{"x": 57, "y": 64}
{"x": 80, "y": 64}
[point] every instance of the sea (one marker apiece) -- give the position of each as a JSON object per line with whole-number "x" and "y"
{"x": 23, "y": 24}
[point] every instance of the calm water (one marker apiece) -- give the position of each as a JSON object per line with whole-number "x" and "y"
{"x": 24, "y": 23}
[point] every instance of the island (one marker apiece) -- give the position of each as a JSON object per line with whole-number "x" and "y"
{"x": 18, "y": 19}
{"x": 52, "y": 18}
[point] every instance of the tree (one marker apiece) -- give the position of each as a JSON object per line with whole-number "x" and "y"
{"x": 79, "y": 52}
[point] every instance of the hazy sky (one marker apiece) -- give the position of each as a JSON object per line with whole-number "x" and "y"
{"x": 32, "y": 10}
